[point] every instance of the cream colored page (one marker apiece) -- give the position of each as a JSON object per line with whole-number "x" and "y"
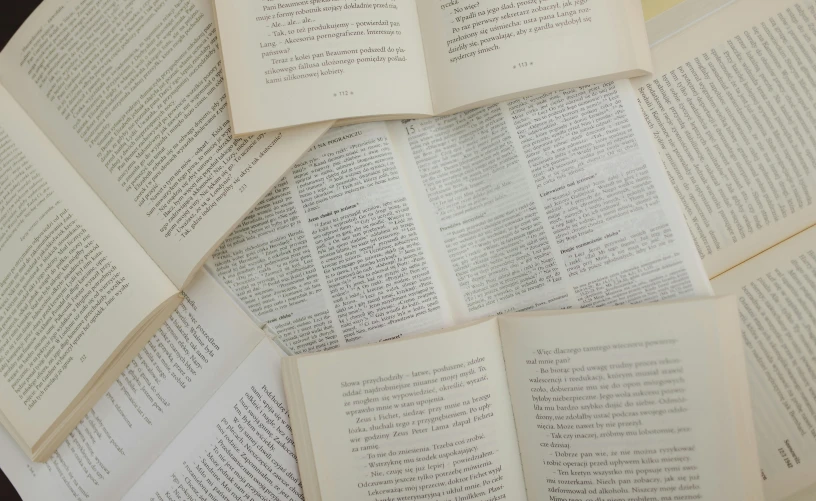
{"x": 143, "y": 118}
{"x": 665, "y": 18}
{"x": 429, "y": 416}
{"x": 73, "y": 282}
{"x": 483, "y": 50}
{"x": 238, "y": 446}
{"x": 290, "y": 63}
{"x": 806, "y": 495}
{"x": 732, "y": 110}
{"x": 629, "y": 404}
{"x": 161, "y": 390}
{"x": 652, "y": 8}
{"x": 777, "y": 297}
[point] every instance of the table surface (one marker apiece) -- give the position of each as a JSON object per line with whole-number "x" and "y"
{"x": 12, "y": 16}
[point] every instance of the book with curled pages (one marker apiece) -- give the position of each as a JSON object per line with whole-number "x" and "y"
{"x": 118, "y": 177}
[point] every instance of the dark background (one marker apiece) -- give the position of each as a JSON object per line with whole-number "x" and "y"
{"x": 12, "y": 15}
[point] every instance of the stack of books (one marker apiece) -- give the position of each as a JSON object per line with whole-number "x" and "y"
{"x": 402, "y": 249}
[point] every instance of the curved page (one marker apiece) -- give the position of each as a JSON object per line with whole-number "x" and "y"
{"x": 161, "y": 390}
{"x": 73, "y": 283}
{"x": 133, "y": 95}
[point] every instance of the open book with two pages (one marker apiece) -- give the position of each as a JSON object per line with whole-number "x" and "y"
{"x": 644, "y": 402}
{"x": 119, "y": 177}
{"x": 292, "y": 63}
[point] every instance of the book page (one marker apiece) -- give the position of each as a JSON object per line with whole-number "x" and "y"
{"x": 553, "y": 201}
{"x": 159, "y": 392}
{"x": 732, "y": 110}
{"x": 485, "y": 51}
{"x": 292, "y": 63}
{"x": 421, "y": 418}
{"x": 777, "y": 299}
{"x": 652, "y": 8}
{"x": 74, "y": 284}
{"x": 480, "y": 221}
{"x": 239, "y": 446}
{"x": 806, "y": 495}
{"x": 143, "y": 119}
{"x": 633, "y": 403}
{"x": 335, "y": 255}
{"x": 665, "y": 18}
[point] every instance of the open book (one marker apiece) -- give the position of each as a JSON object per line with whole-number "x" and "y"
{"x": 645, "y": 402}
{"x": 200, "y": 410}
{"x": 291, "y": 63}
{"x": 388, "y": 229}
{"x": 733, "y": 110}
{"x": 118, "y": 177}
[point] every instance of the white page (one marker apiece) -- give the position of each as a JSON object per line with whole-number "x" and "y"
{"x": 143, "y": 119}
{"x": 632, "y": 403}
{"x": 407, "y": 418}
{"x": 777, "y": 296}
{"x": 74, "y": 282}
{"x": 238, "y": 446}
{"x": 335, "y": 255}
{"x": 291, "y": 63}
{"x": 547, "y": 202}
{"x": 159, "y": 392}
{"x": 732, "y": 108}
{"x": 489, "y": 193}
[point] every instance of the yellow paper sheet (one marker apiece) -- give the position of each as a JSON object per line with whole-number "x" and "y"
{"x": 651, "y": 8}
